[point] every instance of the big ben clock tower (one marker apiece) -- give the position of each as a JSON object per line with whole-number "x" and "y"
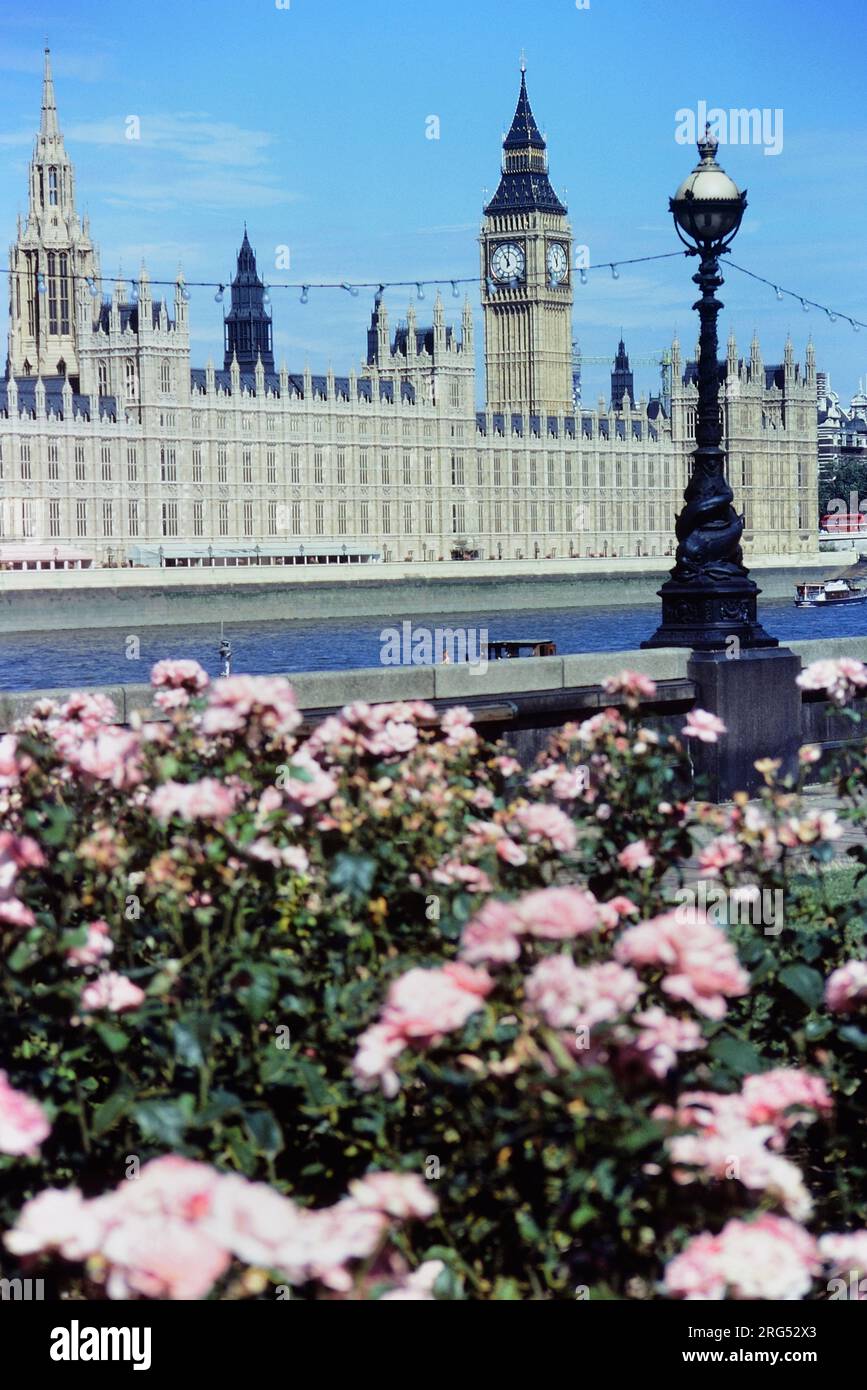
{"x": 526, "y": 245}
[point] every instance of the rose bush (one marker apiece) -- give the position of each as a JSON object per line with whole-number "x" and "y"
{"x": 249, "y": 969}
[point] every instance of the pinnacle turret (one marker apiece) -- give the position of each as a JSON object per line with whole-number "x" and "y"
{"x": 48, "y": 126}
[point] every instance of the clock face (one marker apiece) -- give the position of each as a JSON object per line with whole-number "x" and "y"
{"x": 508, "y": 261}
{"x": 557, "y": 262}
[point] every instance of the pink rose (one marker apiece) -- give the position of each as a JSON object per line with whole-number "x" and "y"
{"x": 841, "y": 679}
{"x": 317, "y": 784}
{"x": 491, "y": 936}
{"x": 259, "y": 705}
{"x": 10, "y": 765}
{"x": 113, "y": 756}
{"x": 23, "y": 1123}
{"x": 372, "y": 1066}
{"x": 566, "y": 995}
{"x": 17, "y": 852}
{"x": 770, "y": 1096}
{"x": 97, "y": 945}
{"x": 113, "y": 992}
{"x": 769, "y": 1258}
{"x": 394, "y": 1194}
{"x": 719, "y": 854}
{"x": 421, "y": 1007}
{"x": 207, "y": 799}
{"x": 704, "y": 726}
{"x": 697, "y": 957}
{"x": 56, "y": 1220}
{"x": 636, "y": 856}
{"x": 661, "y": 1037}
{"x": 846, "y": 988}
{"x": 559, "y": 914}
{"x": 183, "y": 675}
{"x": 511, "y": 852}
{"x": 631, "y": 684}
{"x": 542, "y": 822}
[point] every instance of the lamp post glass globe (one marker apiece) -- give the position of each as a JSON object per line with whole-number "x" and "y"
{"x": 708, "y": 207}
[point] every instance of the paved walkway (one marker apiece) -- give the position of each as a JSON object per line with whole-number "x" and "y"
{"x": 815, "y": 798}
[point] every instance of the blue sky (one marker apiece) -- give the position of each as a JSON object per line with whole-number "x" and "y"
{"x": 310, "y": 122}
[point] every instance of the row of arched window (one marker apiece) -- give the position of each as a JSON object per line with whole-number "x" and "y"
{"x": 130, "y": 378}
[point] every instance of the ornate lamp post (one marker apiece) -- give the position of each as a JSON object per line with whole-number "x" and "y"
{"x": 710, "y": 597}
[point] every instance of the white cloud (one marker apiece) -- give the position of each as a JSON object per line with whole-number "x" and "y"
{"x": 192, "y": 135}
{"x": 84, "y": 67}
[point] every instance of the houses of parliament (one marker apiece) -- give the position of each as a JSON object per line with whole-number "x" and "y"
{"x": 115, "y": 449}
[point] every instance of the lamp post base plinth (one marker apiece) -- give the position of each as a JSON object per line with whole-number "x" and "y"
{"x": 715, "y": 617}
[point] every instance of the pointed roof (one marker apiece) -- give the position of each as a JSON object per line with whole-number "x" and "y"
{"x": 48, "y": 125}
{"x": 524, "y": 133}
{"x": 524, "y": 183}
{"x": 246, "y": 258}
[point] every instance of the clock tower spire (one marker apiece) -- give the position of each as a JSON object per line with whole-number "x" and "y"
{"x": 526, "y": 256}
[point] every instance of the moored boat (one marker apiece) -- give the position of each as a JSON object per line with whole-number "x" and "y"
{"x": 830, "y": 594}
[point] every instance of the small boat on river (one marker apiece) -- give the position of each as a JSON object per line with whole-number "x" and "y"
{"x": 833, "y": 593}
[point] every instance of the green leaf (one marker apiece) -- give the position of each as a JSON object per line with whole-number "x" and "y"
{"x": 641, "y": 1136}
{"x": 114, "y": 1038}
{"x": 219, "y": 1104}
{"x": 353, "y": 873}
{"x": 811, "y": 949}
{"x": 854, "y": 1035}
{"x": 258, "y": 996}
{"x": 581, "y": 1215}
{"x": 111, "y": 1110}
{"x": 264, "y": 1131}
{"x": 276, "y": 1066}
{"x": 21, "y": 957}
{"x": 816, "y": 1028}
{"x": 60, "y": 819}
{"x": 739, "y": 1056}
{"x": 164, "y": 1121}
{"x": 527, "y": 1226}
{"x": 752, "y": 950}
{"x": 242, "y": 1151}
{"x": 192, "y": 1036}
{"x": 805, "y": 982}
{"x": 311, "y": 1078}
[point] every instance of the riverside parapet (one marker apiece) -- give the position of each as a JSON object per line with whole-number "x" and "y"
{"x": 58, "y": 600}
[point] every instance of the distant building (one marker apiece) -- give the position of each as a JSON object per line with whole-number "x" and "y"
{"x": 248, "y": 324}
{"x": 621, "y": 380}
{"x": 112, "y": 445}
{"x": 842, "y": 434}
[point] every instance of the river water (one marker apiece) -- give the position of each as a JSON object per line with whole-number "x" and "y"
{"x": 105, "y": 656}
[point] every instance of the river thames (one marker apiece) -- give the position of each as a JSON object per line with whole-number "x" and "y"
{"x": 44, "y": 660}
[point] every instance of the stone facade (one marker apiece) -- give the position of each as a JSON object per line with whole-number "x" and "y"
{"x": 111, "y": 445}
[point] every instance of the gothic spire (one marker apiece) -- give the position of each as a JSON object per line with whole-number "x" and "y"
{"x": 524, "y": 184}
{"x": 524, "y": 133}
{"x": 248, "y": 322}
{"x": 48, "y": 126}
